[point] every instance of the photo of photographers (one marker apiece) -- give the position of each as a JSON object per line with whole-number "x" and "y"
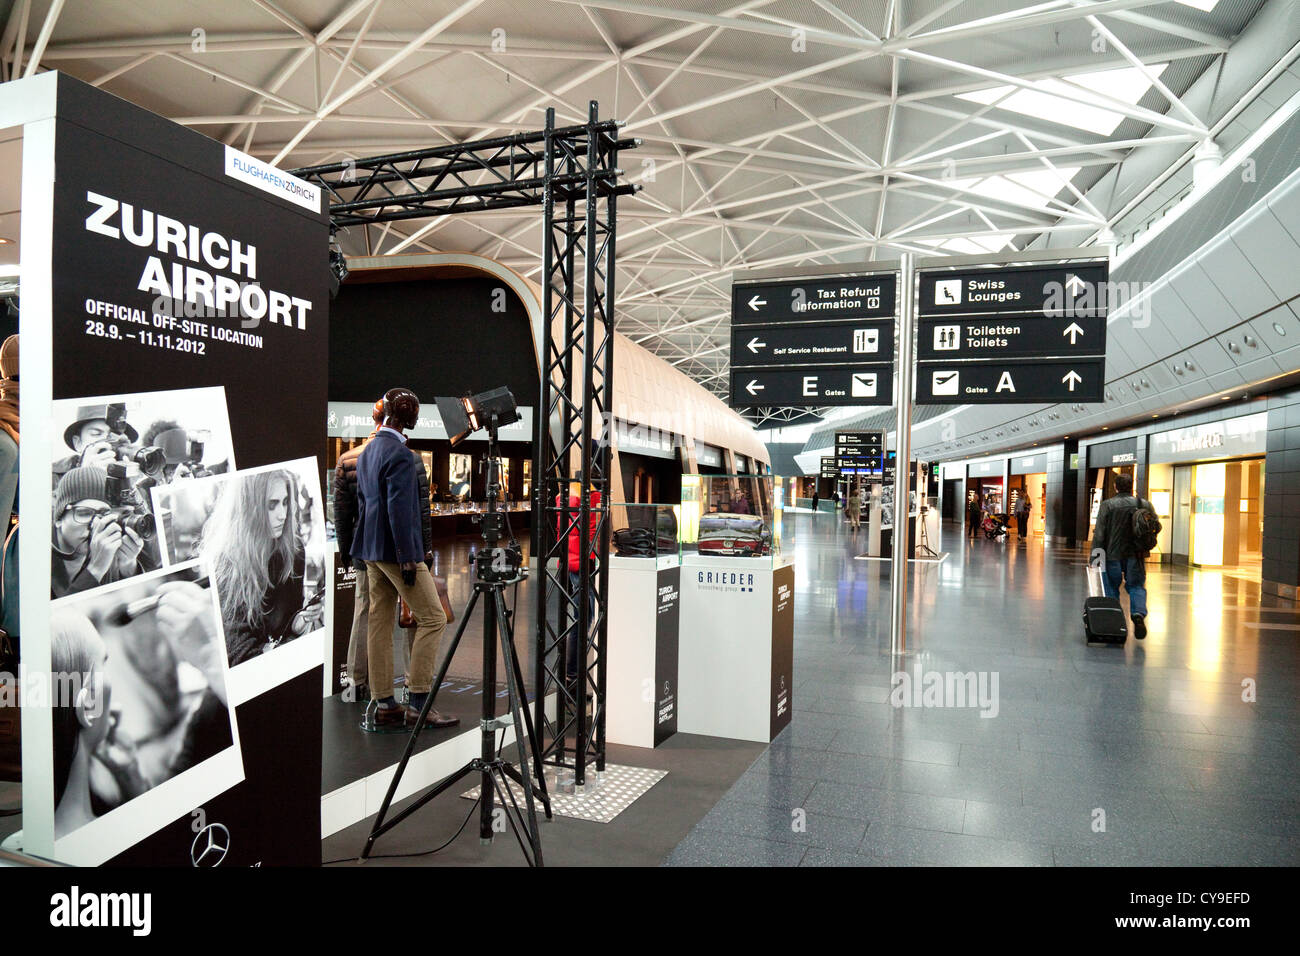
{"x": 144, "y": 697}
{"x": 121, "y": 447}
{"x": 261, "y": 534}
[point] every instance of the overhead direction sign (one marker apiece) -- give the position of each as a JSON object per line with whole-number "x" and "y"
{"x": 866, "y": 384}
{"x": 814, "y": 300}
{"x": 830, "y": 468}
{"x": 1012, "y": 334}
{"x": 791, "y": 344}
{"x": 1051, "y": 290}
{"x": 964, "y": 337}
{"x": 1011, "y": 382}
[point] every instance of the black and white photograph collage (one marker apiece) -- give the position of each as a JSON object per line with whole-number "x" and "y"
{"x": 174, "y": 576}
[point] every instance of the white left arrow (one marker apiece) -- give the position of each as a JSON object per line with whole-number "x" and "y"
{"x": 1074, "y": 285}
{"x": 755, "y": 302}
{"x": 753, "y": 387}
{"x": 755, "y": 345}
{"x": 1073, "y": 378}
{"x": 1073, "y": 331}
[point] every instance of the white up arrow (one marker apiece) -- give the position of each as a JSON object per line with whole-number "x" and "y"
{"x": 755, "y": 302}
{"x": 754, "y": 388}
{"x": 1074, "y": 285}
{"x": 754, "y": 345}
{"x": 1073, "y": 331}
{"x": 1073, "y": 378}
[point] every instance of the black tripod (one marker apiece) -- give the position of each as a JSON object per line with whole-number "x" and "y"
{"x": 495, "y": 567}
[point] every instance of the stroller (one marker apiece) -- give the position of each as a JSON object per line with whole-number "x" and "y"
{"x": 993, "y": 526}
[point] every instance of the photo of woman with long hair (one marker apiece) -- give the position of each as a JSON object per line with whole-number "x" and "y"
{"x": 255, "y": 547}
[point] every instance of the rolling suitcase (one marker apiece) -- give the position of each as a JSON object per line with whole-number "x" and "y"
{"x": 1103, "y": 617}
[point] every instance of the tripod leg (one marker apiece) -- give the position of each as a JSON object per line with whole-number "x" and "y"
{"x": 514, "y": 695}
{"x": 508, "y": 634}
{"x": 378, "y": 827}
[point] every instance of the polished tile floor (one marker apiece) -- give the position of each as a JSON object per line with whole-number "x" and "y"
{"x": 1183, "y": 749}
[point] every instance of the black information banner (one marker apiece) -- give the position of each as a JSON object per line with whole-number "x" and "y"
{"x": 756, "y": 346}
{"x": 830, "y": 468}
{"x": 667, "y": 628}
{"x": 782, "y": 649}
{"x": 867, "y": 384}
{"x": 814, "y": 300}
{"x": 1010, "y": 382}
{"x": 189, "y": 331}
{"x": 345, "y": 595}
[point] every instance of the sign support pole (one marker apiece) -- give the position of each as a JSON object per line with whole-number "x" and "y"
{"x": 903, "y": 455}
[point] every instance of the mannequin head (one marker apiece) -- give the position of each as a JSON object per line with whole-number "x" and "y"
{"x": 401, "y": 409}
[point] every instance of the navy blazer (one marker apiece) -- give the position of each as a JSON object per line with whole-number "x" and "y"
{"x": 388, "y": 503}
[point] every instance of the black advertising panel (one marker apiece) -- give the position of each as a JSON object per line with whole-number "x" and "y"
{"x": 667, "y": 617}
{"x": 865, "y": 384}
{"x": 1079, "y": 290}
{"x": 1018, "y": 337}
{"x": 1010, "y": 382}
{"x": 345, "y": 595}
{"x": 782, "y": 649}
{"x": 189, "y": 323}
{"x": 814, "y": 300}
{"x": 782, "y": 345}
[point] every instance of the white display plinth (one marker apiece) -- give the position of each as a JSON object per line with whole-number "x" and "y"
{"x": 736, "y": 648}
{"x": 641, "y": 670}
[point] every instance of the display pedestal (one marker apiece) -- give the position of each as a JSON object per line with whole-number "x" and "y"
{"x": 736, "y": 660}
{"x": 641, "y": 676}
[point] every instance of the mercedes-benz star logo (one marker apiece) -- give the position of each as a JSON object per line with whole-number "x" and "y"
{"x": 210, "y": 846}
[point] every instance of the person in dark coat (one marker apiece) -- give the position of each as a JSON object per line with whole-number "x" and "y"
{"x": 1113, "y": 536}
{"x": 387, "y": 537}
{"x": 973, "y": 516}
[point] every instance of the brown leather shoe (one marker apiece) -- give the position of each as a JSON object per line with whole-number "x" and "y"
{"x": 432, "y": 719}
{"x": 389, "y": 716}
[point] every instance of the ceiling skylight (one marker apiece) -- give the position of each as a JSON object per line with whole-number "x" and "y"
{"x": 1127, "y": 85}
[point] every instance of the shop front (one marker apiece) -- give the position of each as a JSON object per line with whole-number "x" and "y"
{"x": 1207, "y": 484}
{"x": 1028, "y": 479}
{"x": 1106, "y": 462}
{"x": 984, "y": 486}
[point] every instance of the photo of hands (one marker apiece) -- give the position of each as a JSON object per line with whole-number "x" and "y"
{"x": 140, "y": 692}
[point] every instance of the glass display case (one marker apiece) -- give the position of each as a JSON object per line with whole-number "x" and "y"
{"x": 646, "y": 532}
{"x": 735, "y": 516}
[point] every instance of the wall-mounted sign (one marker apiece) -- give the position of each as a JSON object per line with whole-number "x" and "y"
{"x": 707, "y": 455}
{"x": 1232, "y": 438}
{"x": 352, "y": 420}
{"x": 1113, "y": 454}
{"x": 983, "y": 469}
{"x": 1028, "y": 464}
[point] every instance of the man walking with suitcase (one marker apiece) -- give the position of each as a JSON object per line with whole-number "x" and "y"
{"x": 1122, "y": 552}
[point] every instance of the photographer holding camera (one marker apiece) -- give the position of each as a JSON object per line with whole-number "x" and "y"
{"x": 93, "y": 541}
{"x": 100, "y": 436}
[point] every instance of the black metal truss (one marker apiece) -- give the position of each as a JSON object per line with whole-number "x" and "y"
{"x": 504, "y": 172}
{"x": 573, "y": 450}
{"x": 572, "y": 173}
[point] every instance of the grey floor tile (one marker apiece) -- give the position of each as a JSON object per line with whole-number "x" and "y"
{"x": 795, "y": 826}
{"x": 774, "y": 790}
{"x": 900, "y": 747}
{"x": 705, "y": 848}
{"x": 951, "y": 849}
